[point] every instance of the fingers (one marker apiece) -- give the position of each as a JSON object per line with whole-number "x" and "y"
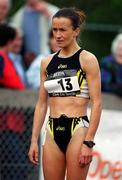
{"x": 33, "y": 156}
{"x": 88, "y": 159}
{"x": 36, "y": 157}
{"x": 85, "y": 160}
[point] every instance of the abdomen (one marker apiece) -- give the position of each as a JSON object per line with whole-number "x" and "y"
{"x": 70, "y": 106}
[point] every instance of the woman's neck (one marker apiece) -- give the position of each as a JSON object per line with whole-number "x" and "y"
{"x": 69, "y": 51}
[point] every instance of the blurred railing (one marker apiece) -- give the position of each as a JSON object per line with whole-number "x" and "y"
{"x": 16, "y": 117}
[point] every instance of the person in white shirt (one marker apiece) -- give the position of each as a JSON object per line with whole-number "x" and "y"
{"x": 37, "y": 14}
{"x": 33, "y": 72}
{"x": 16, "y": 57}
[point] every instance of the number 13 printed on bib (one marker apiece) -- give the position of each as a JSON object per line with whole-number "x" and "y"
{"x": 63, "y": 85}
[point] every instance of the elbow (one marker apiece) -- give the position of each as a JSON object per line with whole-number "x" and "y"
{"x": 41, "y": 104}
{"x": 97, "y": 103}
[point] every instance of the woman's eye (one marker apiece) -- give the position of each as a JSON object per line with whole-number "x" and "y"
{"x": 62, "y": 29}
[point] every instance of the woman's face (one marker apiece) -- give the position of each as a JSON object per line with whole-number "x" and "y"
{"x": 4, "y": 8}
{"x": 118, "y": 53}
{"x": 53, "y": 45}
{"x": 32, "y": 2}
{"x": 16, "y": 44}
{"x": 63, "y": 31}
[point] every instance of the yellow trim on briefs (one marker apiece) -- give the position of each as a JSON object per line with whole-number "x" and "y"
{"x": 72, "y": 127}
{"x": 52, "y": 132}
{"x": 51, "y": 127}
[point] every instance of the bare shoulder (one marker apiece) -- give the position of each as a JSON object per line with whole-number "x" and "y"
{"x": 45, "y": 61}
{"x": 88, "y": 60}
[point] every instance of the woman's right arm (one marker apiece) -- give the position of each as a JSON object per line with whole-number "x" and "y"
{"x": 39, "y": 116}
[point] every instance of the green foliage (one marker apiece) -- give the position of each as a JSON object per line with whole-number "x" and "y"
{"x": 108, "y": 13}
{"x": 98, "y": 43}
{"x": 16, "y": 4}
{"x": 97, "y": 11}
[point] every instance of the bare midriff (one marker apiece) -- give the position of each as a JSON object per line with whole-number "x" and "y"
{"x": 70, "y": 106}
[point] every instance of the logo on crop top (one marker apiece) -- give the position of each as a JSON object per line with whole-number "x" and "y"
{"x": 59, "y": 128}
{"x": 58, "y": 74}
{"x": 62, "y": 66}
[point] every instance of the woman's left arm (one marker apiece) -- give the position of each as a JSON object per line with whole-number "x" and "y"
{"x": 91, "y": 68}
{"x": 90, "y": 65}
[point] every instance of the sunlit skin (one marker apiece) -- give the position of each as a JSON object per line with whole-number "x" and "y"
{"x": 78, "y": 156}
{"x": 64, "y": 33}
{"x": 66, "y": 39}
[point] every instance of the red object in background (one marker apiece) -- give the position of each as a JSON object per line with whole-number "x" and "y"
{"x": 2, "y": 121}
{"x": 10, "y": 78}
{"x": 13, "y": 120}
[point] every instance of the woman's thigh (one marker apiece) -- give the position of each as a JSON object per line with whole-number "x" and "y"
{"x": 53, "y": 160}
{"x": 74, "y": 171}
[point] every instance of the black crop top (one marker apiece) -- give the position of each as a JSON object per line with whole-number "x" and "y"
{"x": 65, "y": 77}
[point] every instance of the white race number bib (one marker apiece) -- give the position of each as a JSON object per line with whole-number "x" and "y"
{"x": 62, "y": 85}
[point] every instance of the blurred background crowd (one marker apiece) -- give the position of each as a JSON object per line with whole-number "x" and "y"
{"x": 25, "y": 39}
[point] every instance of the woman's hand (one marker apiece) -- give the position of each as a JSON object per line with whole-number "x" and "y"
{"x": 42, "y": 7}
{"x": 85, "y": 157}
{"x": 34, "y": 153}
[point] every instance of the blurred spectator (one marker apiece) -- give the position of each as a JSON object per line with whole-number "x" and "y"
{"x": 34, "y": 21}
{"x": 4, "y": 10}
{"x": 53, "y": 46}
{"x": 111, "y": 68}
{"x": 16, "y": 57}
{"x": 34, "y": 69}
{"x": 9, "y": 78}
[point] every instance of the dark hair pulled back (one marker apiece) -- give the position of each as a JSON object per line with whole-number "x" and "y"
{"x": 76, "y": 16}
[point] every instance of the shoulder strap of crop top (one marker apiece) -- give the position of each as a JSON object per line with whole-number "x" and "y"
{"x": 77, "y": 52}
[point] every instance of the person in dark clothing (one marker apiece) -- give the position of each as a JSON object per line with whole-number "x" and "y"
{"x": 111, "y": 68}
